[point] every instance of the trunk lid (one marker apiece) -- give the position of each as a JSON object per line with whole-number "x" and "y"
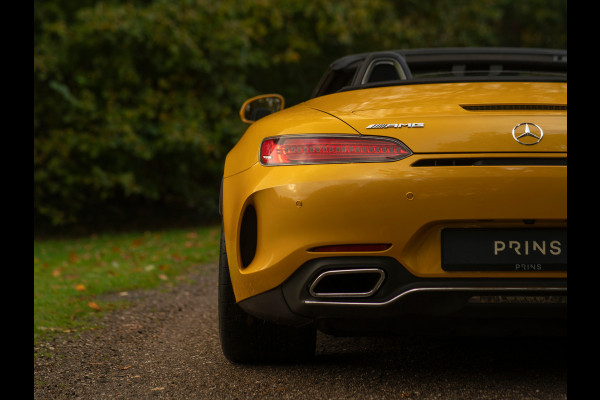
{"x": 458, "y": 117}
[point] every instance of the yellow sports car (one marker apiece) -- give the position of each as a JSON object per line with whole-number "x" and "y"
{"x": 417, "y": 191}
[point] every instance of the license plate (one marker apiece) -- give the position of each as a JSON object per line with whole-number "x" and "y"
{"x": 523, "y": 250}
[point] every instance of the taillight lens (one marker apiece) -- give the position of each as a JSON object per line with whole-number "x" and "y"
{"x": 310, "y": 149}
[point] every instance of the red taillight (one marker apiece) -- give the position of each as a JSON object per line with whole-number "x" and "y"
{"x": 309, "y": 149}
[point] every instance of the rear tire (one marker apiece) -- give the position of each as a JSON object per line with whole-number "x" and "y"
{"x": 247, "y": 339}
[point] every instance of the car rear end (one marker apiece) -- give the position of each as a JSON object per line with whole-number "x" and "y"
{"x": 415, "y": 208}
{"x": 470, "y": 218}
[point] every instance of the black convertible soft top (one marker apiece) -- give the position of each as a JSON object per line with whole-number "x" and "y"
{"x": 412, "y": 66}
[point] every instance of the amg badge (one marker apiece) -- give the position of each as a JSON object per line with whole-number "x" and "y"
{"x": 400, "y": 125}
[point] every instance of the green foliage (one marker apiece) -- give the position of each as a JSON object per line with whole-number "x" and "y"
{"x": 135, "y": 103}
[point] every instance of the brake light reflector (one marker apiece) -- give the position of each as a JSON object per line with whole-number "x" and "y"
{"x": 311, "y": 149}
{"x": 351, "y": 248}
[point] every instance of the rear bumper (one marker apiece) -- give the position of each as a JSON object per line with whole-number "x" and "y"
{"x": 401, "y": 297}
{"x": 395, "y": 203}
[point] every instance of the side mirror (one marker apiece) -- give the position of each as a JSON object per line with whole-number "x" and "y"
{"x": 260, "y": 106}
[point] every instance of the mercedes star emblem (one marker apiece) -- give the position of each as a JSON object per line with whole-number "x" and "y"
{"x": 529, "y": 135}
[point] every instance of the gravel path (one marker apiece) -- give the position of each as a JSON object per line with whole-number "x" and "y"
{"x": 167, "y": 347}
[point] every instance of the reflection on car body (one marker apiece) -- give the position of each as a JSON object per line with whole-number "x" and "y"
{"x": 417, "y": 191}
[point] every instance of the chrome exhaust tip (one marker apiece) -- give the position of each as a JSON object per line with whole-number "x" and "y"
{"x": 355, "y": 282}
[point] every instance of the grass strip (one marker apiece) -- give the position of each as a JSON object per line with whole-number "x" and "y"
{"x": 70, "y": 274}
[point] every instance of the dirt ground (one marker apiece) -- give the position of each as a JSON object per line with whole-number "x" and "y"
{"x": 166, "y": 346}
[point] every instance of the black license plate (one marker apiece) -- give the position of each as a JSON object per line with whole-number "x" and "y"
{"x": 523, "y": 250}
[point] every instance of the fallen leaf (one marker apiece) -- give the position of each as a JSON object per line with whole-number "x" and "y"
{"x": 177, "y": 257}
{"x": 80, "y": 287}
{"x": 56, "y": 272}
{"x": 93, "y": 305}
{"x": 127, "y": 367}
{"x": 163, "y": 277}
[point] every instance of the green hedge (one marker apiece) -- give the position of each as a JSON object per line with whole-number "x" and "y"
{"x": 135, "y": 103}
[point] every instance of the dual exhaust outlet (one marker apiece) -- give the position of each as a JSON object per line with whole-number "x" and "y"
{"x": 352, "y": 283}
